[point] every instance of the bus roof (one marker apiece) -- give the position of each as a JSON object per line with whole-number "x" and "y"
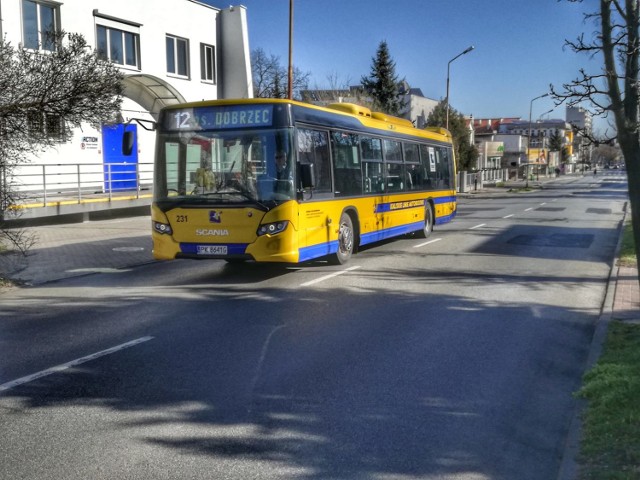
{"x": 367, "y": 118}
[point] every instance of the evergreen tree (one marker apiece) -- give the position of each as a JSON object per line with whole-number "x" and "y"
{"x": 466, "y": 153}
{"x": 382, "y": 83}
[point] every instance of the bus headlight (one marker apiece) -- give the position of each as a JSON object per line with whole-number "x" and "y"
{"x": 272, "y": 228}
{"x": 163, "y": 228}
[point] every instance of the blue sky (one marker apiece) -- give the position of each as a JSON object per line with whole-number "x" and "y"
{"x": 519, "y": 46}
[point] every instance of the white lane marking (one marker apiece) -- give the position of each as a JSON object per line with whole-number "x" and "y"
{"x": 508, "y": 216}
{"x": 477, "y": 226}
{"x": 427, "y": 243}
{"x": 72, "y": 363}
{"x": 529, "y": 209}
{"x": 326, "y": 277}
{"x": 543, "y": 203}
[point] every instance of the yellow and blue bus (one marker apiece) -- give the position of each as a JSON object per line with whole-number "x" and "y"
{"x": 275, "y": 180}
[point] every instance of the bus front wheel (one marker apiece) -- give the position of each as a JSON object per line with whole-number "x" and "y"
{"x": 346, "y": 240}
{"x": 427, "y": 227}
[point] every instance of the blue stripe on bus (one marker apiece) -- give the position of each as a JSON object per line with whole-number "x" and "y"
{"x": 445, "y": 218}
{"x": 372, "y": 237}
{"x": 322, "y": 249}
{"x": 232, "y": 248}
{"x": 316, "y": 251}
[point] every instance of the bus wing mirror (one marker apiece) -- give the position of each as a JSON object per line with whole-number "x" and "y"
{"x": 307, "y": 175}
{"x": 127, "y": 143}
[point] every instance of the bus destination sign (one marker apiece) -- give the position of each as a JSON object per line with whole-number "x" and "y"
{"x": 219, "y": 117}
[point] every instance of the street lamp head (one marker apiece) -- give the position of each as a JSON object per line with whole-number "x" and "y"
{"x": 468, "y": 49}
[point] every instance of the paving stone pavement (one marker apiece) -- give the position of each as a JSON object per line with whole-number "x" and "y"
{"x": 626, "y": 303}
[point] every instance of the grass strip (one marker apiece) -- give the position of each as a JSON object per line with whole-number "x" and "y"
{"x": 610, "y": 448}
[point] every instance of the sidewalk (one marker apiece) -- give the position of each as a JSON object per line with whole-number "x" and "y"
{"x": 626, "y": 302}
{"x": 73, "y": 249}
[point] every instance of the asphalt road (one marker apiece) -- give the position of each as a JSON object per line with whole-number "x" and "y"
{"x": 448, "y": 358}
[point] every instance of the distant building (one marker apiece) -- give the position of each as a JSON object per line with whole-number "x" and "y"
{"x": 579, "y": 117}
{"x": 417, "y": 107}
{"x": 581, "y": 120}
{"x": 525, "y": 146}
{"x": 169, "y": 50}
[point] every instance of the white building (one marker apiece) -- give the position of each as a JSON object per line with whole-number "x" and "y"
{"x": 417, "y": 107}
{"x": 170, "y": 51}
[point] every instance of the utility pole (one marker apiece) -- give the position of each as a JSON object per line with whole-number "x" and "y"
{"x": 290, "y": 76}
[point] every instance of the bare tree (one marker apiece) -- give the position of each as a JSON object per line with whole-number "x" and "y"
{"x": 270, "y": 78}
{"x": 42, "y": 96}
{"x": 616, "y": 89}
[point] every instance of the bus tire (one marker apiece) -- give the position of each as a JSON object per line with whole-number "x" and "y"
{"x": 346, "y": 240}
{"x": 427, "y": 226}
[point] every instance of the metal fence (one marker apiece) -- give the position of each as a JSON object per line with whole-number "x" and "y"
{"x": 470, "y": 181}
{"x": 42, "y": 183}
{"x": 39, "y": 184}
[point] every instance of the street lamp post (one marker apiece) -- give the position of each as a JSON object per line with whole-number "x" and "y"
{"x": 529, "y": 134}
{"x": 448, "y": 67}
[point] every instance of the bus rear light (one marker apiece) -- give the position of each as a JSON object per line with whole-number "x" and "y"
{"x": 272, "y": 228}
{"x": 162, "y": 228}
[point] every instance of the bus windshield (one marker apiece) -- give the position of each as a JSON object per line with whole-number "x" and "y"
{"x": 230, "y": 166}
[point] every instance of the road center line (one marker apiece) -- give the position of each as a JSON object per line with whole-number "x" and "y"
{"x": 326, "y": 277}
{"x": 72, "y": 363}
{"x": 508, "y": 216}
{"x": 477, "y": 226}
{"x": 427, "y": 243}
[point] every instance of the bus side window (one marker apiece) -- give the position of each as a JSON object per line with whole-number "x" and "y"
{"x": 427, "y": 166}
{"x": 412, "y": 170}
{"x": 372, "y": 164}
{"x": 373, "y": 177}
{"x": 394, "y": 167}
{"x": 313, "y": 148}
{"x": 347, "y": 172}
{"x": 443, "y": 166}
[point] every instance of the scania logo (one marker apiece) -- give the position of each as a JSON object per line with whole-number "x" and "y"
{"x": 214, "y": 217}
{"x": 203, "y": 232}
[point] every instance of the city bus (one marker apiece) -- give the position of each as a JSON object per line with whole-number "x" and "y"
{"x": 272, "y": 180}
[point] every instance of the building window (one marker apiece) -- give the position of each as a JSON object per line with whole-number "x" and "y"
{"x": 119, "y": 46}
{"x": 178, "y": 56}
{"x": 40, "y": 22}
{"x": 51, "y": 126}
{"x": 208, "y": 63}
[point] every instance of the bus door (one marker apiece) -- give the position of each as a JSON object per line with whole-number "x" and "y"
{"x": 372, "y": 218}
{"x": 394, "y": 182}
{"x": 317, "y": 222}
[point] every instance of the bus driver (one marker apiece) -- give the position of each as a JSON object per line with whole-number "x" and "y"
{"x": 282, "y": 172}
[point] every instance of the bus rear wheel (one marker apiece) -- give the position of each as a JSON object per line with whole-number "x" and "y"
{"x": 346, "y": 240}
{"x": 427, "y": 226}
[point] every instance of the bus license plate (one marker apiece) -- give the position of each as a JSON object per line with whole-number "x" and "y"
{"x": 212, "y": 249}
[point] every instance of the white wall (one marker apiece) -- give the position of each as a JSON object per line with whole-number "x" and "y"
{"x": 152, "y": 20}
